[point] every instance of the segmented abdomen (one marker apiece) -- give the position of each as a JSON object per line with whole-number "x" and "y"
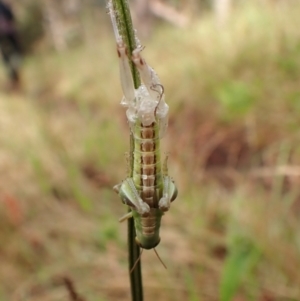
{"x": 147, "y": 174}
{"x": 149, "y": 224}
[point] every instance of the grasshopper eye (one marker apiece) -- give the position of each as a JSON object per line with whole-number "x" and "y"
{"x": 138, "y": 242}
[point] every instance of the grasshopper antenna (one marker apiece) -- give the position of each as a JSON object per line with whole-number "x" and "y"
{"x": 136, "y": 262}
{"x": 159, "y": 258}
{"x": 161, "y": 93}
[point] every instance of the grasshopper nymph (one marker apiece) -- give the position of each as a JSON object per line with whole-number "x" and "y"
{"x": 150, "y": 191}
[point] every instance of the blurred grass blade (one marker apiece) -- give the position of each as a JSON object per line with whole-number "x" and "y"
{"x": 238, "y": 265}
{"x": 191, "y": 287}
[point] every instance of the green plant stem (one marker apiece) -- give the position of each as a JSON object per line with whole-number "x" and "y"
{"x": 125, "y": 28}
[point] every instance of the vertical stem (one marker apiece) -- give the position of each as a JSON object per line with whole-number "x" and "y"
{"x": 136, "y": 282}
{"x": 126, "y": 31}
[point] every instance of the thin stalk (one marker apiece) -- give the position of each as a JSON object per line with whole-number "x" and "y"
{"x": 136, "y": 282}
{"x": 123, "y": 27}
{"x": 126, "y": 30}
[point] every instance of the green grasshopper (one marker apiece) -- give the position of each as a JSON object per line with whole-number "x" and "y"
{"x": 150, "y": 190}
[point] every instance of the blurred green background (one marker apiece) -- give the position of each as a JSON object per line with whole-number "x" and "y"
{"x": 231, "y": 72}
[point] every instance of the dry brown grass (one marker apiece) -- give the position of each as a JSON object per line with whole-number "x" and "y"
{"x": 62, "y": 145}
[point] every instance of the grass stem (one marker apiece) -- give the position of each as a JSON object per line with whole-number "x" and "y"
{"x": 121, "y": 11}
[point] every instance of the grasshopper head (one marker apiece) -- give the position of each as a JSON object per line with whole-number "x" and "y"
{"x": 147, "y": 243}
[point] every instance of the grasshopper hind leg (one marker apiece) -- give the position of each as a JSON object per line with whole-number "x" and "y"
{"x": 169, "y": 189}
{"x": 130, "y": 196}
{"x": 169, "y": 194}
